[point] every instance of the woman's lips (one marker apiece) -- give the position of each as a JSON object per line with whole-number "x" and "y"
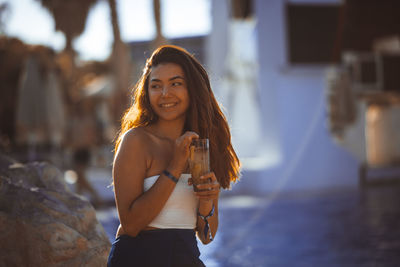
{"x": 168, "y": 105}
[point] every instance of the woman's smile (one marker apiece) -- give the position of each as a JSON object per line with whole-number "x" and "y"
{"x": 168, "y": 105}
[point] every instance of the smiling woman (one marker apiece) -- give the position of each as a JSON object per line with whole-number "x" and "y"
{"x": 159, "y": 212}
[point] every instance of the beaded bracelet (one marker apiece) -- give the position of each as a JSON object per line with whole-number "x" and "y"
{"x": 170, "y": 176}
{"x": 205, "y": 218}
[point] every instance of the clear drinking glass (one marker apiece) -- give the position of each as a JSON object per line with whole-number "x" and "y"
{"x": 199, "y": 160}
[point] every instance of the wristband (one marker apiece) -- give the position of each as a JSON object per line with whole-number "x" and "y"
{"x": 170, "y": 176}
{"x": 207, "y": 226}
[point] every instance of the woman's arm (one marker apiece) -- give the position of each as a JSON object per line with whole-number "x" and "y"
{"x": 136, "y": 208}
{"x": 208, "y": 209}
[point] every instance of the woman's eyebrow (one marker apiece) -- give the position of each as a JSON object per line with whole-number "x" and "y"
{"x": 176, "y": 77}
{"x": 170, "y": 79}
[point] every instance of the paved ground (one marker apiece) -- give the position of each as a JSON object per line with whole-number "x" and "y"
{"x": 347, "y": 227}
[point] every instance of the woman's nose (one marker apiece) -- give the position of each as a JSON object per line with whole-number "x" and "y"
{"x": 165, "y": 90}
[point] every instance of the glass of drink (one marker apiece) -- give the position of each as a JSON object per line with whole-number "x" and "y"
{"x": 199, "y": 161}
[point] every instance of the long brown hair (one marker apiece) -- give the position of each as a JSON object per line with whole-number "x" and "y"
{"x": 204, "y": 115}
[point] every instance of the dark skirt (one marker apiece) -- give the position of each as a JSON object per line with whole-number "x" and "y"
{"x": 153, "y": 248}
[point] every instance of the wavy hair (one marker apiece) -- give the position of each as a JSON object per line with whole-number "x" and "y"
{"x": 204, "y": 115}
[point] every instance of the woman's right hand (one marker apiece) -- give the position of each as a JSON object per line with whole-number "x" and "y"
{"x": 182, "y": 151}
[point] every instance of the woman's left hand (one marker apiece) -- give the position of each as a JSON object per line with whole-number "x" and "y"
{"x": 209, "y": 188}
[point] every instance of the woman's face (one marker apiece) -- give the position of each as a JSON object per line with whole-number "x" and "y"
{"x": 168, "y": 93}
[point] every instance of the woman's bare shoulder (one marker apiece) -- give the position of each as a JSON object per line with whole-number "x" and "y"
{"x": 135, "y": 138}
{"x": 138, "y": 134}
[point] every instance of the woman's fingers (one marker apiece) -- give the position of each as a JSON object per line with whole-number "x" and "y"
{"x": 181, "y": 151}
{"x": 186, "y": 138}
{"x": 209, "y": 178}
{"x": 209, "y": 187}
{"x": 182, "y": 144}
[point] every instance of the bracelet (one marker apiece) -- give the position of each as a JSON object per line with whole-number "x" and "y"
{"x": 205, "y": 218}
{"x": 170, "y": 176}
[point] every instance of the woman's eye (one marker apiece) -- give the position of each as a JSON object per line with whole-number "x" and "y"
{"x": 177, "y": 84}
{"x": 155, "y": 86}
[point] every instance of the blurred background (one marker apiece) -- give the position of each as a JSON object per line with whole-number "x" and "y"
{"x": 311, "y": 90}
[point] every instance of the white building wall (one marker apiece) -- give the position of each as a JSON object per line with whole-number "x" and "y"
{"x": 293, "y": 111}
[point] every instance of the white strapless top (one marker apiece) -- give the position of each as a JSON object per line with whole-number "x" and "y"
{"x": 180, "y": 209}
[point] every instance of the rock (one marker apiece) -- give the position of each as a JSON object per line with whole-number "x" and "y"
{"x": 43, "y": 223}
{"x": 5, "y": 161}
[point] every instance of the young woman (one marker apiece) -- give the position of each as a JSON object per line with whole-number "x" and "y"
{"x": 159, "y": 212}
